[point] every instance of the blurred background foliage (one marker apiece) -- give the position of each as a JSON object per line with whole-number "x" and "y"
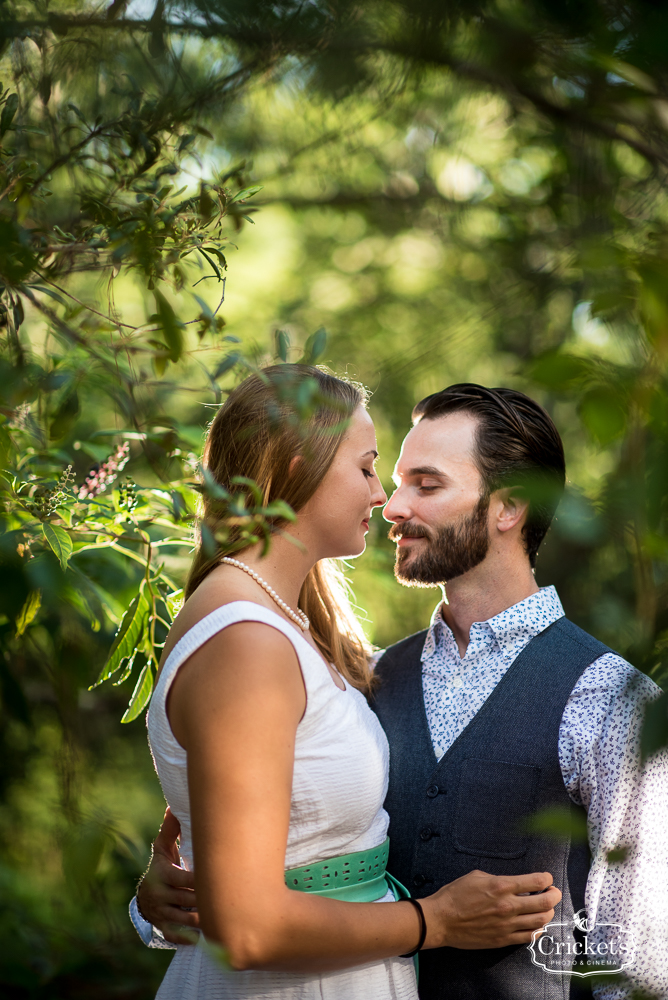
{"x": 457, "y": 191}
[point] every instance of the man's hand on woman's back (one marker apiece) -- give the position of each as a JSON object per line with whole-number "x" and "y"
{"x": 167, "y": 888}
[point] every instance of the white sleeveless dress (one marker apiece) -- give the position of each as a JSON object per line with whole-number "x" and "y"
{"x": 338, "y": 788}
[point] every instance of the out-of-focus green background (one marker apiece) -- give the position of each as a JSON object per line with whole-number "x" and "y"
{"x": 455, "y": 192}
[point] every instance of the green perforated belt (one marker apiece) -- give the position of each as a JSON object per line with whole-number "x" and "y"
{"x": 359, "y": 877}
{"x": 355, "y": 878}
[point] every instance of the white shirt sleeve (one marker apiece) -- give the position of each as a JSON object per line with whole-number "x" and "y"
{"x": 150, "y": 935}
{"x": 627, "y": 810}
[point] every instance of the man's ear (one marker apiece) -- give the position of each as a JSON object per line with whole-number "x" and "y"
{"x": 514, "y": 505}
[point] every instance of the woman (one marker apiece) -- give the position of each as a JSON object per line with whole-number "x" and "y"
{"x": 267, "y": 751}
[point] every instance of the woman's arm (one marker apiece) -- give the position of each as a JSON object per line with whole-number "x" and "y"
{"x": 235, "y": 707}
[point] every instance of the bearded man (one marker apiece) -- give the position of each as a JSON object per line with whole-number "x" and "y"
{"x": 511, "y": 730}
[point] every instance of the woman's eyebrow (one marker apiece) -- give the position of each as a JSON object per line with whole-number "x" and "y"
{"x": 370, "y": 452}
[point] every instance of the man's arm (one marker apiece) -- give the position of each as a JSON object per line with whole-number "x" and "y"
{"x": 627, "y": 808}
{"x": 164, "y": 909}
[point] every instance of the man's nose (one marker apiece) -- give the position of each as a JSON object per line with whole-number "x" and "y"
{"x": 396, "y": 508}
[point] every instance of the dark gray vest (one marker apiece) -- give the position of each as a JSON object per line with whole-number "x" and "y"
{"x": 469, "y": 810}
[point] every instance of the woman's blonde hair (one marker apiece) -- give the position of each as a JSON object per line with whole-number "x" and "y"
{"x": 273, "y": 416}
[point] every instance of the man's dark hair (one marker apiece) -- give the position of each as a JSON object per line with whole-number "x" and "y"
{"x": 517, "y": 445}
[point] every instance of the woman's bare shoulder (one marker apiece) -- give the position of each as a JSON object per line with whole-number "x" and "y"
{"x": 215, "y": 591}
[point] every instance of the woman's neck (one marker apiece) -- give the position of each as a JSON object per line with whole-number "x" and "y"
{"x": 285, "y": 567}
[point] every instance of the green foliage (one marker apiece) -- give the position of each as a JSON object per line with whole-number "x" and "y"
{"x": 474, "y": 192}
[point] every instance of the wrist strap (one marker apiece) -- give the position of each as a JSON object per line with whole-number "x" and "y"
{"x": 423, "y": 927}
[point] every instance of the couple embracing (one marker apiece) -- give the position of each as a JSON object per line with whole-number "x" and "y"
{"x": 287, "y": 758}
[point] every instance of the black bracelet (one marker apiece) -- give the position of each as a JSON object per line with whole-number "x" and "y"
{"x": 423, "y": 926}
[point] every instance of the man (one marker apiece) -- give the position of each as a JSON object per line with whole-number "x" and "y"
{"x": 503, "y": 717}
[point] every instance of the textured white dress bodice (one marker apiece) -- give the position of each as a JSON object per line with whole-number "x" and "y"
{"x": 338, "y": 788}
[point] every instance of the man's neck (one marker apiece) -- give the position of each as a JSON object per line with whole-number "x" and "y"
{"x": 483, "y": 593}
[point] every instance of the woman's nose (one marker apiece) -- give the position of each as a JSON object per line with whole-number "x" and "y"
{"x": 379, "y": 496}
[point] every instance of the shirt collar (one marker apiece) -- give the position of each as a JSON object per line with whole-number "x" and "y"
{"x": 512, "y": 628}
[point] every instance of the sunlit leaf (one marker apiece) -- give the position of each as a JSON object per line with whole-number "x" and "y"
{"x": 127, "y": 638}
{"x": 140, "y": 695}
{"x": 28, "y": 611}
{"x": 246, "y": 193}
{"x": 59, "y": 541}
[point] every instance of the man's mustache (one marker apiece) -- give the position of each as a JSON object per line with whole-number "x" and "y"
{"x": 407, "y": 530}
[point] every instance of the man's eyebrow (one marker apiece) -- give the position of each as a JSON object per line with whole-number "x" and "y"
{"x": 421, "y": 470}
{"x": 427, "y": 470}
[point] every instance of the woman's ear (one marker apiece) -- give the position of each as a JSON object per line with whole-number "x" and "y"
{"x": 514, "y": 506}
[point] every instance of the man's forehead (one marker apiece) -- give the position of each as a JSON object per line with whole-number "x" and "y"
{"x": 442, "y": 439}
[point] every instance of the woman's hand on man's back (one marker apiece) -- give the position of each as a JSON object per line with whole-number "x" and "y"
{"x": 166, "y": 896}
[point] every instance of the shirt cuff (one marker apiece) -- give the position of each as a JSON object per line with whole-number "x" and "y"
{"x": 150, "y": 935}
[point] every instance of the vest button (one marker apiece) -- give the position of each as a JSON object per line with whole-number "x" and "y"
{"x": 432, "y": 791}
{"x": 426, "y": 833}
{"x": 418, "y": 880}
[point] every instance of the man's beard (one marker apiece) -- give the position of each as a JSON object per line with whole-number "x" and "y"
{"x": 451, "y": 550}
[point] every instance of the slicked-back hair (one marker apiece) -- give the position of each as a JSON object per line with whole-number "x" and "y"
{"x": 517, "y": 445}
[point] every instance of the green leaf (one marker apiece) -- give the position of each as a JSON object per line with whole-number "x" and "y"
{"x": 83, "y": 849}
{"x": 175, "y": 602}
{"x": 558, "y": 371}
{"x": 654, "y": 736}
{"x": 28, "y": 611}
{"x": 140, "y": 695}
{"x": 315, "y": 347}
{"x": 282, "y": 345}
{"x": 50, "y": 291}
{"x": 213, "y": 488}
{"x": 60, "y": 542}
{"x": 207, "y": 312}
{"x": 127, "y": 638}
{"x": 603, "y": 414}
{"x": 171, "y": 326}
{"x": 203, "y": 131}
{"x": 8, "y": 112}
{"x": 215, "y": 267}
{"x": 77, "y": 112}
{"x": 184, "y": 141}
{"x": 65, "y": 416}
{"x": 557, "y": 822}
{"x": 126, "y": 671}
{"x": 209, "y": 544}
{"x": 246, "y": 193}
{"x": 226, "y": 364}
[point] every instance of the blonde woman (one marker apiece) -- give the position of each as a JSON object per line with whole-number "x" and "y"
{"x": 266, "y": 749}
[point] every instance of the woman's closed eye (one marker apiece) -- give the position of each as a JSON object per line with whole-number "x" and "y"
{"x": 369, "y": 473}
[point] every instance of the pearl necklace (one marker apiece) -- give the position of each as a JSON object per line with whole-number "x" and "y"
{"x": 298, "y": 617}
